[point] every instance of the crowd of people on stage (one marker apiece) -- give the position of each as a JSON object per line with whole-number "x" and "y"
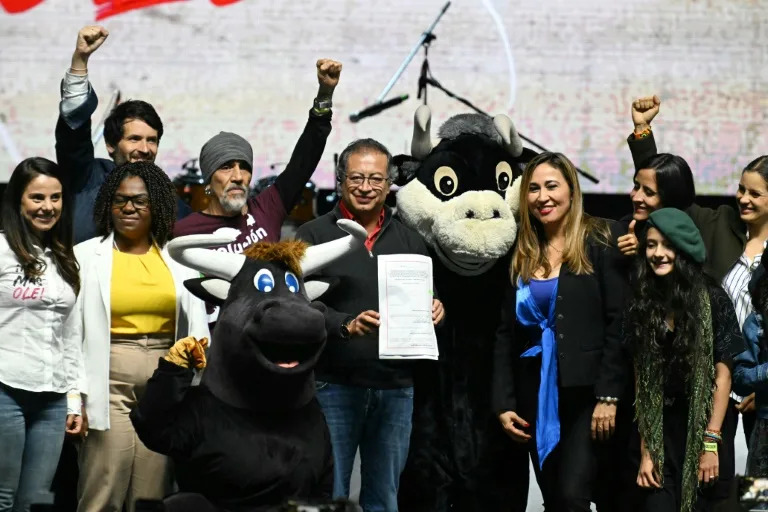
{"x": 624, "y": 348}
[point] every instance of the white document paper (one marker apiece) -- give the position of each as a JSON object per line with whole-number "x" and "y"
{"x": 405, "y": 306}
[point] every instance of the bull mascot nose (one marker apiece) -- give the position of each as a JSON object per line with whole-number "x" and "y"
{"x": 252, "y": 433}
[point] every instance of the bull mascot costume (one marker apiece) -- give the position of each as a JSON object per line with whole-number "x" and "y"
{"x": 462, "y": 197}
{"x": 252, "y": 434}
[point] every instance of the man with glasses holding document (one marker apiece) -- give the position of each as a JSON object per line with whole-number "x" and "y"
{"x": 367, "y": 401}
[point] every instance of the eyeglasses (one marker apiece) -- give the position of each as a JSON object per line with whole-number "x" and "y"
{"x": 139, "y": 202}
{"x": 374, "y": 181}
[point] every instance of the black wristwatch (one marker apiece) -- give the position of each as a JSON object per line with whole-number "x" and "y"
{"x": 322, "y": 106}
{"x": 344, "y": 330}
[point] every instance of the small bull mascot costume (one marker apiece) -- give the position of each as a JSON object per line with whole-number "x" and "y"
{"x": 252, "y": 434}
{"x": 461, "y": 196}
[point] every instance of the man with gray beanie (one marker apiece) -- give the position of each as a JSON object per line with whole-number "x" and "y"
{"x": 226, "y": 162}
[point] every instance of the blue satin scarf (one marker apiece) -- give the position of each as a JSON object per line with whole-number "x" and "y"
{"x": 542, "y": 330}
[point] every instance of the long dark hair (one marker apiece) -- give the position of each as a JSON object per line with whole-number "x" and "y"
{"x": 674, "y": 180}
{"x": 162, "y": 199}
{"x": 654, "y": 297}
{"x": 20, "y": 236}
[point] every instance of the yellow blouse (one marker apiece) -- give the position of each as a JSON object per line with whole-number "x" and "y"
{"x": 143, "y": 295}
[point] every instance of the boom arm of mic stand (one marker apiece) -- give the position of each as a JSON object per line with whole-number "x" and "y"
{"x": 434, "y": 83}
{"x": 411, "y": 55}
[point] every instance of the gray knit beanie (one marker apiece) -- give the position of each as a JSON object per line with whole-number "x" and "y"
{"x": 223, "y": 148}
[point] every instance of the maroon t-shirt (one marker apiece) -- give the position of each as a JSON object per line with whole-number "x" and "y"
{"x": 262, "y": 222}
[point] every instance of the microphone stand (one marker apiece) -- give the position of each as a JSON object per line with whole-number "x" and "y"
{"x": 426, "y": 36}
{"x": 426, "y": 78}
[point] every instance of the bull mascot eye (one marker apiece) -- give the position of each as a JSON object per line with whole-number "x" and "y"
{"x": 264, "y": 281}
{"x": 446, "y": 181}
{"x": 503, "y": 175}
{"x": 292, "y": 282}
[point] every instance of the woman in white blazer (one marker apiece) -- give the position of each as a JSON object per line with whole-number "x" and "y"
{"x": 133, "y": 305}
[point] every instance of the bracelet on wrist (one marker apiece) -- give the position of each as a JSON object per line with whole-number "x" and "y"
{"x": 608, "y": 399}
{"x": 78, "y": 69}
{"x": 322, "y": 106}
{"x": 710, "y": 447}
{"x": 643, "y": 134}
{"x": 715, "y": 437}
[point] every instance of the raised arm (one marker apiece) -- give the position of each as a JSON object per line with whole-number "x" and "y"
{"x": 74, "y": 149}
{"x": 311, "y": 144}
{"x": 641, "y": 141}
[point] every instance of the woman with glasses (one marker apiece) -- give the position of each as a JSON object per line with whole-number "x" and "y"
{"x": 40, "y": 359}
{"x": 133, "y": 306}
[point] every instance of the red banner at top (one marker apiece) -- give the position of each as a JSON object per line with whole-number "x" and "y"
{"x": 104, "y": 8}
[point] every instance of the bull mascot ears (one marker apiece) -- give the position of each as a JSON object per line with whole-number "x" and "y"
{"x": 462, "y": 195}
{"x": 221, "y": 267}
{"x": 504, "y": 132}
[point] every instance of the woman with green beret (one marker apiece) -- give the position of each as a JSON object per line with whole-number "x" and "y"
{"x": 683, "y": 333}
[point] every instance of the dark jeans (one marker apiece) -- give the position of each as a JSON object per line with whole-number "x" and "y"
{"x": 31, "y": 434}
{"x": 579, "y": 470}
{"x": 379, "y": 422}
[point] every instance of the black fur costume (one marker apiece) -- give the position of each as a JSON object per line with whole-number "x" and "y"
{"x": 459, "y": 197}
{"x": 252, "y": 434}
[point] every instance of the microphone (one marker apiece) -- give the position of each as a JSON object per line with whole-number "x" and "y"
{"x": 377, "y": 107}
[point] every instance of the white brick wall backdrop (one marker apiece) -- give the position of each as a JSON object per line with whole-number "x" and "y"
{"x": 248, "y": 67}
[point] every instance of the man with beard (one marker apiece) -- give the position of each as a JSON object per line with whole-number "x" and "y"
{"x": 132, "y": 133}
{"x": 226, "y": 162}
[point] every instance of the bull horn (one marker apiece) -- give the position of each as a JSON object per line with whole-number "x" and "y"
{"x": 421, "y": 144}
{"x": 318, "y": 256}
{"x": 190, "y": 251}
{"x": 509, "y": 136}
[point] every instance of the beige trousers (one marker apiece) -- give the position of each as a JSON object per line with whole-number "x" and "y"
{"x": 115, "y": 466}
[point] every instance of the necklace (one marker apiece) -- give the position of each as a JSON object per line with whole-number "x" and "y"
{"x": 554, "y": 248}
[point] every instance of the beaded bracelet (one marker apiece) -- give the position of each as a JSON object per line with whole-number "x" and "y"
{"x": 713, "y": 435}
{"x": 643, "y": 134}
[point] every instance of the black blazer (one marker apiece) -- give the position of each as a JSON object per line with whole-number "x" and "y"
{"x": 588, "y": 317}
{"x": 722, "y": 230}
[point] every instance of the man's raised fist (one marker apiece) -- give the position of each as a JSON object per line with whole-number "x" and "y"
{"x": 89, "y": 39}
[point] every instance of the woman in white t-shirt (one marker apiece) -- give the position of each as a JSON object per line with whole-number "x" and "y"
{"x": 40, "y": 357}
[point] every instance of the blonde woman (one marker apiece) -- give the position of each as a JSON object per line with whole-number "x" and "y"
{"x": 559, "y": 367}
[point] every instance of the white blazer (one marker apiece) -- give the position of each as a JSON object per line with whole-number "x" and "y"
{"x": 93, "y": 310}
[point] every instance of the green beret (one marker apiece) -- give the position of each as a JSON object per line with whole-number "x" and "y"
{"x": 680, "y": 230}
